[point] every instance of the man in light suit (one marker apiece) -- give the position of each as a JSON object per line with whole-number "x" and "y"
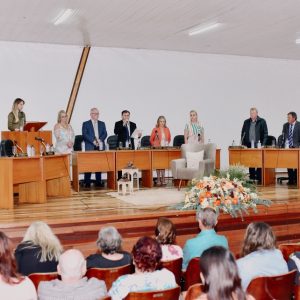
{"x": 94, "y": 134}
{"x": 124, "y": 129}
{"x": 291, "y": 133}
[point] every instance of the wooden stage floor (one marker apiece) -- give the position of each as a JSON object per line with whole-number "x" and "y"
{"x": 77, "y": 219}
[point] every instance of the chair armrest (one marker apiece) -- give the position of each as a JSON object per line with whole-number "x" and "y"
{"x": 176, "y": 164}
{"x": 209, "y": 166}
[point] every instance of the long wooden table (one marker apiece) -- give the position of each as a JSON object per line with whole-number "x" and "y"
{"x": 35, "y": 178}
{"x": 268, "y": 159}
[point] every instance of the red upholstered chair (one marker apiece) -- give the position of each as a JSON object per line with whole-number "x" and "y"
{"x": 171, "y": 294}
{"x": 36, "y": 278}
{"x": 194, "y": 291}
{"x": 174, "y": 266}
{"x": 109, "y": 275}
{"x": 279, "y": 287}
{"x": 288, "y": 249}
{"x": 192, "y": 274}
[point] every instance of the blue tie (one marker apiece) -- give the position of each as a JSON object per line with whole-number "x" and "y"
{"x": 291, "y": 135}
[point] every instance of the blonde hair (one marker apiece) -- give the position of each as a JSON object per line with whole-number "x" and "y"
{"x": 193, "y": 111}
{"x": 161, "y": 118}
{"x": 59, "y": 115}
{"x": 15, "y": 109}
{"x": 40, "y": 234}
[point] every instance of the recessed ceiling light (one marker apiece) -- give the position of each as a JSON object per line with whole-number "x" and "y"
{"x": 203, "y": 28}
{"x": 297, "y": 41}
{"x": 64, "y": 15}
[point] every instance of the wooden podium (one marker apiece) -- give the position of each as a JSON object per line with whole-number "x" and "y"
{"x": 23, "y": 138}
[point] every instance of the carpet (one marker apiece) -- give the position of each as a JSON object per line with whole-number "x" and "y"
{"x": 152, "y": 197}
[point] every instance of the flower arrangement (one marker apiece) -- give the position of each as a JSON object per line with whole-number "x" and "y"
{"x": 229, "y": 191}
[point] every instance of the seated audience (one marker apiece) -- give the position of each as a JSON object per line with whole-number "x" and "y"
{"x": 110, "y": 256}
{"x": 294, "y": 264}
{"x": 72, "y": 268}
{"x": 12, "y": 285}
{"x": 219, "y": 275}
{"x": 165, "y": 233}
{"x": 260, "y": 256}
{"x": 39, "y": 251}
{"x": 146, "y": 257}
{"x": 207, "y": 219}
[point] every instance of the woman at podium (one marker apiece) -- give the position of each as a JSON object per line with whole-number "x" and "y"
{"x": 17, "y": 118}
{"x": 64, "y": 134}
{"x": 193, "y": 132}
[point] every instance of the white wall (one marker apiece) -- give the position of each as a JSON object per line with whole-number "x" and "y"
{"x": 149, "y": 83}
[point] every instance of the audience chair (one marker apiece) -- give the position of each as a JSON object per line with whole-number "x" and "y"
{"x": 192, "y": 274}
{"x": 271, "y": 140}
{"x": 205, "y": 167}
{"x": 36, "y": 278}
{"x": 194, "y": 291}
{"x": 279, "y": 287}
{"x": 288, "y": 249}
{"x": 109, "y": 275}
{"x": 174, "y": 266}
{"x": 77, "y": 143}
{"x": 178, "y": 140}
{"x": 112, "y": 142}
{"x": 145, "y": 141}
{"x": 171, "y": 294}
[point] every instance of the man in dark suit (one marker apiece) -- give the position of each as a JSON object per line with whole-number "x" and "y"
{"x": 124, "y": 129}
{"x": 254, "y": 130}
{"x": 291, "y": 133}
{"x": 94, "y": 135}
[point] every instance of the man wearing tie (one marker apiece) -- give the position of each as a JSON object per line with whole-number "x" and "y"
{"x": 124, "y": 129}
{"x": 291, "y": 132}
{"x": 94, "y": 134}
{"x": 254, "y": 129}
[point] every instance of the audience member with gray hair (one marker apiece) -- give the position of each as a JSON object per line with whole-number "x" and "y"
{"x": 110, "y": 256}
{"x": 71, "y": 268}
{"x": 207, "y": 219}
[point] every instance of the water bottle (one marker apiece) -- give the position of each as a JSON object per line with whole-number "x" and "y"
{"x": 82, "y": 146}
{"x": 259, "y": 144}
{"x": 107, "y": 146}
{"x": 32, "y": 151}
{"x": 233, "y": 143}
{"x": 127, "y": 144}
{"x": 286, "y": 145}
{"x": 252, "y": 144}
{"x": 28, "y": 149}
{"x": 47, "y": 148}
{"x": 100, "y": 145}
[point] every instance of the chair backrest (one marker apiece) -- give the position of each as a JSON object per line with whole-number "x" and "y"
{"x": 112, "y": 141}
{"x": 36, "y": 278}
{"x": 145, "y": 141}
{"x": 273, "y": 287}
{"x": 192, "y": 274}
{"x": 271, "y": 140}
{"x": 6, "y": 148}
{"x": 174, "y": 266}
{"x": 178, "y": 140}
{"x": 190, "y": 148}
{"x": 288, "y": 249}
{"x": 194, "y": 291}
{"x": 280, "y": 141}
{"x": 170, "y": 294}
{"x": 109, "y": 275}
{"x": 77, "y": 142}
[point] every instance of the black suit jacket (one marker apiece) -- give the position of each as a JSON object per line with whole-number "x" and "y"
{"x": 261, "y": 132}
{"x": 296, "y": 133}
{"x": 120, "y": 131}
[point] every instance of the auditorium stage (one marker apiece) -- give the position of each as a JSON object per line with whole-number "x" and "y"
{"x": 77, "y": 219}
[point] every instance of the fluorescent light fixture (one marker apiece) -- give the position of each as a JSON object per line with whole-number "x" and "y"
{"x": 203, "y": 28}
{"x": 63, "y": 16}
{"x": 297, "y": 41}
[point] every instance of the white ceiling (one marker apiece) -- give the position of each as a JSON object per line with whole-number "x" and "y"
{"x": 263, "y": 28}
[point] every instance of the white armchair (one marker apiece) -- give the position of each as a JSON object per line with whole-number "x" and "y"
{"x": 205, "y": 168}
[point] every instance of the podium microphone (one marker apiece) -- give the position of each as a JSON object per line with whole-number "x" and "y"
{"x": 156, "y": 134}
{"x": 199, "y": 137}
{"x": 39, "y": 139}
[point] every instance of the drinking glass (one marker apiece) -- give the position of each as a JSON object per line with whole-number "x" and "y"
{"x": 41, "y": 149}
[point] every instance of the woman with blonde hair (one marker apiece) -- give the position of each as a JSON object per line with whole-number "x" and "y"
{"x": 17, "y": 118}
{"x": 160, "y": 137}
{"x": 64, "y": 134}
{"x": 193, "y": 132}
{"x": 12, "y": 284}
{"x": 39, "y": 250}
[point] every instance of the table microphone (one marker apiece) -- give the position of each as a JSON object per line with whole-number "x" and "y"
{"x": 18, "y": 147}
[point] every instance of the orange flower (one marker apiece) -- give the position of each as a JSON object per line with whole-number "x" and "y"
{"x": 235, "y": 200}
{"x": 218, "y": 203}
{"x": 199, "y": 185}
{"x": 208, "y": 194}
{"x": 201, "y": 199}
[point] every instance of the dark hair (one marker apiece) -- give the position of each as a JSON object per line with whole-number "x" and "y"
{"x": 165, "y": 231}
{"x": 146, "y": 254}
{"x": 125, "y": 112}
{"x": 8, "y": 268}
{"x": 258, "y": 236}
{"x": 293, "y": 114}
{"x": 220, "y": 272}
